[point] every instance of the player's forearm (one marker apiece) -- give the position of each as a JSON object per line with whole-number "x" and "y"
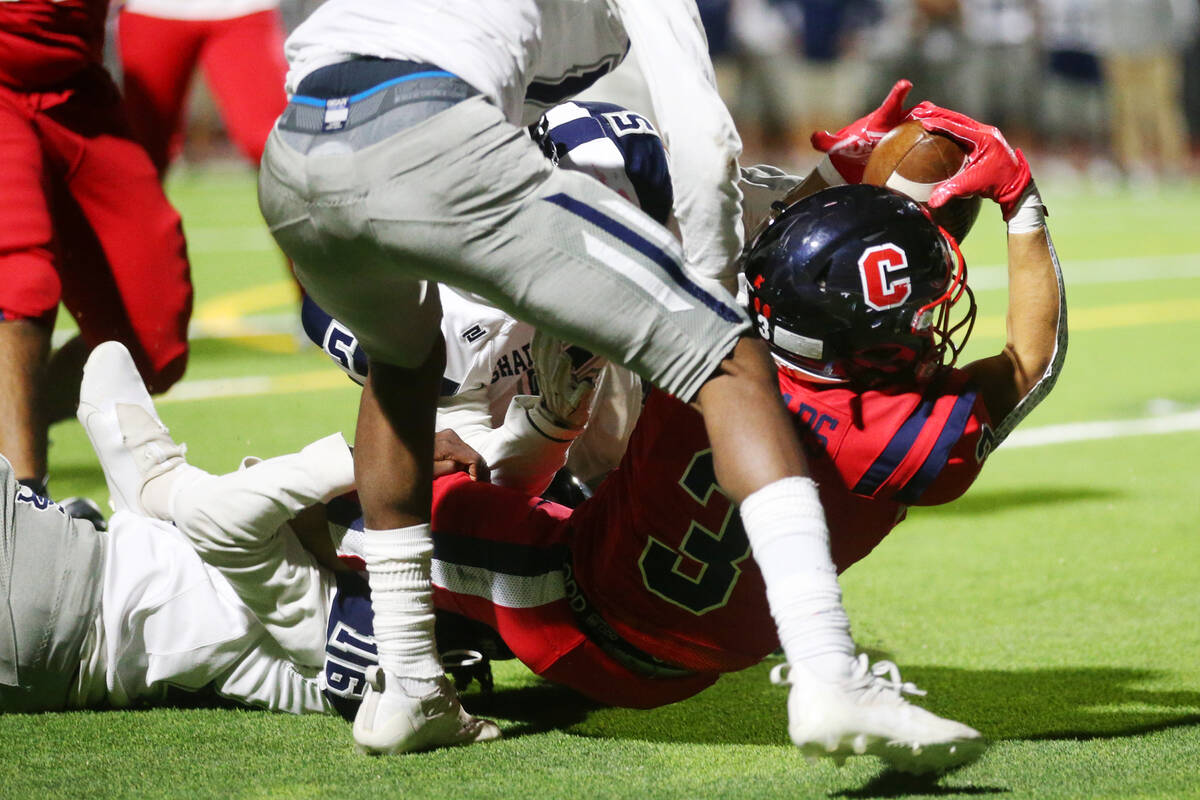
{"x": 1034, "y": 307}
{"x": 528, "y": 449}
{"x": 1037, "y": 317}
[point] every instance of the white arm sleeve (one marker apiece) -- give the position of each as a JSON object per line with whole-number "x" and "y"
{"x": 615, "y": 412}
{"x": 526, "y": 451}
{"x": 696, "y": 128}
{"x": 266, "y": 679}
{"x": 523, "y": 453}
{"x": 469, "y": 415}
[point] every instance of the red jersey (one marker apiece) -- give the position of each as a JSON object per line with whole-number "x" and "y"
{"x": 45, "y": 42}
{"x": 661, "y": 553}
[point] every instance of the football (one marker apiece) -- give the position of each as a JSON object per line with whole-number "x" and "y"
{"x": 912, "y": 160}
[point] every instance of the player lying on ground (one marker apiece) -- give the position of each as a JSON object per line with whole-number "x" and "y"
{"x": 111, "y": 619}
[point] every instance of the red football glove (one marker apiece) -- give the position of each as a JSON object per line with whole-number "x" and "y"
{"x": 992, "y": 168}
{"x": 849, "y": 148}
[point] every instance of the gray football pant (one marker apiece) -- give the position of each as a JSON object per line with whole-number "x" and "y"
{"x": 369, "y": 215}
{"x": 50, "y": 570}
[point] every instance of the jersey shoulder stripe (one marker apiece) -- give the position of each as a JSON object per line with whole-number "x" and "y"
{"x": 950, "y": 434}
{"x": 897, "y": 448}
{"x": 580, "y": 129}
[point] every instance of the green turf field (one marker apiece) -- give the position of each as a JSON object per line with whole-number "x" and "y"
{"x": 1056, "y": 607}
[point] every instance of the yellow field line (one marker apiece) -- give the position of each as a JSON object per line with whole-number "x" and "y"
{"x": 257, "y": 385}
{"x": 1104, "y": 317}
{"x": 224, "y": 316}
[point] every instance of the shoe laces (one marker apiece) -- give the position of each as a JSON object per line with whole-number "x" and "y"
{"x": 871, "y": 679}
{"x": 881, "y": 677}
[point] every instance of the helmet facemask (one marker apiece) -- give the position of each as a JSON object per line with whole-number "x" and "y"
{"x": 935, "y": 317}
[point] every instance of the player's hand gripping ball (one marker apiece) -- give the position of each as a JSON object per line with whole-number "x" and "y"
{"x": 850, "y": 148}
{"x": 913, "y": 161}
{"x": 994, "y": 168}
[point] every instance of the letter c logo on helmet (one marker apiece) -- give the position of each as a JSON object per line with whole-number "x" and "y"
{"x": 882, "y": 287}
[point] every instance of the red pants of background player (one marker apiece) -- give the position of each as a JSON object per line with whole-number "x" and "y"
{"x": 498, "y": 559}
{"x": 243, "y": 64}
{"x": 84, "y": 219}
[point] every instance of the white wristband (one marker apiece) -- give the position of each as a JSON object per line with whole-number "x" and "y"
{"x": 1030, "y": 215}
{"x": 829, "y": 173}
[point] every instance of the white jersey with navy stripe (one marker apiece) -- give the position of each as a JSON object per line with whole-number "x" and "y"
{"x": 488, "y": 364}
{"x": 528, "y": 55}
{"x": 487, "y": 354}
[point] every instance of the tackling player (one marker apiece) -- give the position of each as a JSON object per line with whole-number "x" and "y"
{"x": 82, "y": 220}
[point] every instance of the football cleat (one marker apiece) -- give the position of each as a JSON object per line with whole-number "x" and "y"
{"x": 867, "y": 714}
{"x": 132, "y": 443}
{"x": 392, "y": 721}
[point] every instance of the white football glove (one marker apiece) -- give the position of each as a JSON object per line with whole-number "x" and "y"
{"x": 567, "y": 376}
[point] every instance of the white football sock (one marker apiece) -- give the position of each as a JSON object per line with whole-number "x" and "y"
{"x": 398, "y": 563}
{"x": 785, "y": 523}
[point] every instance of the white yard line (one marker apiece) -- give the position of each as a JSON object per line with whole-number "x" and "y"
{"x": 210, "y": 389}
{"x": 256, "y": 386}
{"x": 216, "y": 388}
{"x": 1110, "y": 429}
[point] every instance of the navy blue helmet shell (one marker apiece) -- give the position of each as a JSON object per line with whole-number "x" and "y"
{"x": 855, "y": 283}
